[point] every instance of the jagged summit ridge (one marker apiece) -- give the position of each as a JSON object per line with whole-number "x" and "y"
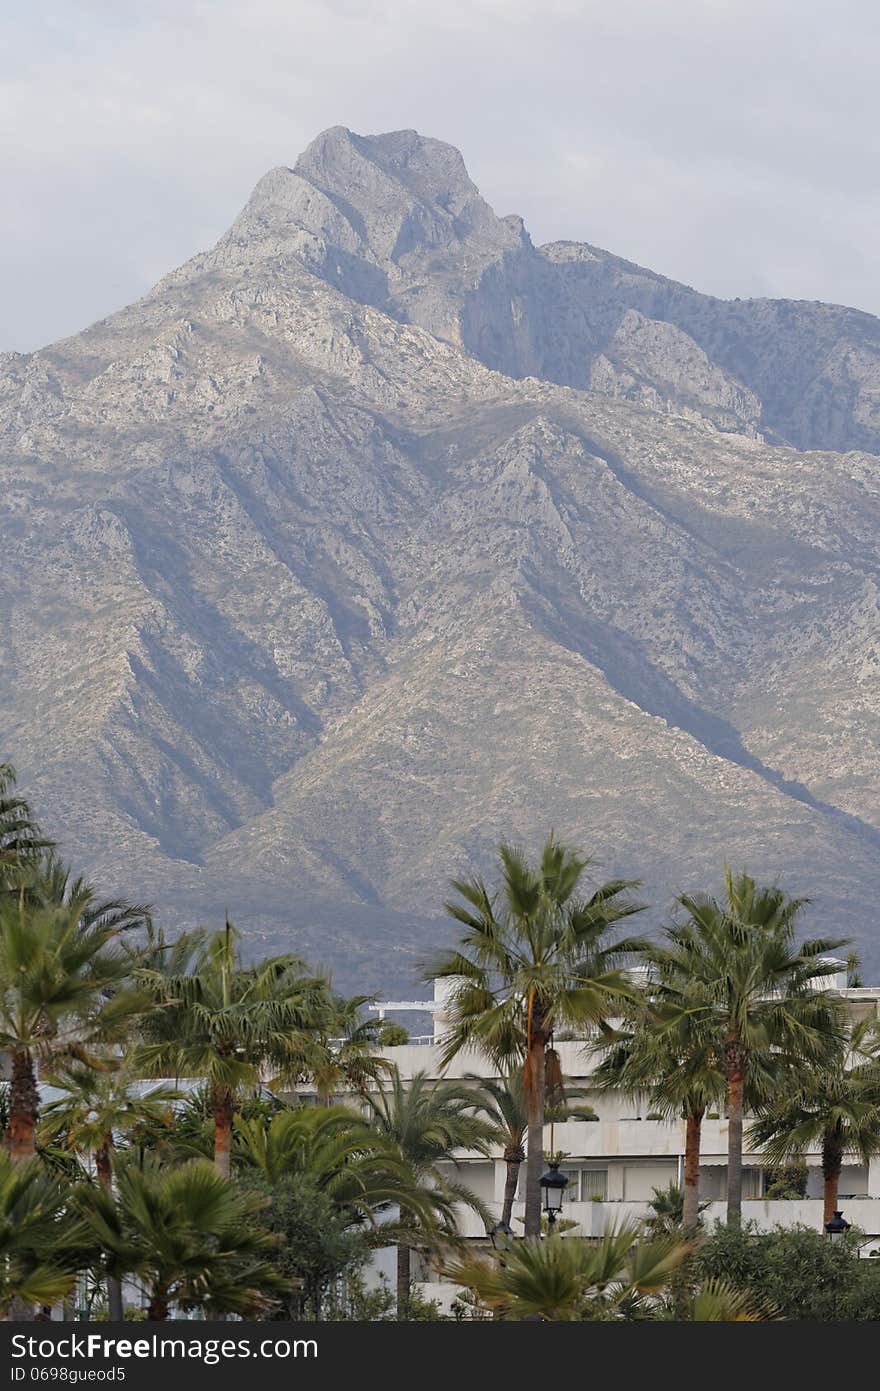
{"x": 383, "y": 197}
{"x": 392, "y": 221}
{"x": 395, "y": 222}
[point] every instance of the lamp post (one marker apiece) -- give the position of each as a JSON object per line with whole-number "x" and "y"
{"x": 552, "y": 1185}
{"x": 836, "y": 1227}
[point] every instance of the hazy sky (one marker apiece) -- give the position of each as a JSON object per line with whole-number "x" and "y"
{"x": 732, "y": 144}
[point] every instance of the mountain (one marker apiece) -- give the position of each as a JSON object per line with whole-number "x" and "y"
{"x": 376, "y": 534}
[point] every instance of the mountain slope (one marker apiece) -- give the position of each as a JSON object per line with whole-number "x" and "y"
{"x": 305, "y": 605}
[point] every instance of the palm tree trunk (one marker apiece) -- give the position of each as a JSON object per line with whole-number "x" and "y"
{"x": 735, "y": 1085}
{"x": 511, "y": 1181}
{"x": 23, "y": 1107}
{"x": 404, "y": 1279}
{"x": 832, "y": 1163}
{"x": 222, "y": 1109}
{"x": 691, "y": 1206}
{"x": 535, "y": 1156}
{"x": 20, "y": 1137}
{"x": 157, "y": 1309}
{"x": 104, "y": 1170}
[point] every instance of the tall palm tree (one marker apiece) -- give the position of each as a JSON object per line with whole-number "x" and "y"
{"x": 62, "y": 993}
{"x": 94, "y": 1107}
{"x": 429, "y": 1122}
{"x": 503, "y": 1101}
{"x": 188, "y": 1234}
{"x": 669, "y": 1054}
{"x": 757, "y": 992}
{"x": 534, "y": 958}
{"x": 226, "y": 1022}
{"x": 835, "y": 1106}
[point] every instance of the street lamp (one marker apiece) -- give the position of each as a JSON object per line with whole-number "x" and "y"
{"x": 836, "y": 1226}
{"x": 552, "y": 1185}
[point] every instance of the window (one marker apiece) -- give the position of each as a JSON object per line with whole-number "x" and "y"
{"x": 713, "y": 1183}
{"x": 594, "y": 1184}
{"x": 584, "y": 1185}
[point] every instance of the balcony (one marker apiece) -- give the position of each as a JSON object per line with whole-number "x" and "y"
{"x": 594, "y": 1218}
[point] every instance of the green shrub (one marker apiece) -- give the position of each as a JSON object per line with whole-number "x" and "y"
{"x": 788, "y": 1181}
{"x": 798, "y": 1270}
{"x": 392, "y": 1036}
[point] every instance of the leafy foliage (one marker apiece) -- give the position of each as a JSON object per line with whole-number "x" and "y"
{"x": 834, "y": 1106}
{"x": 392, "y": 1035}
{"x": 40, "y": 1248}
{"x": 316, "y": 1243}
{"x": 21, "y": 841}
{"x": 190, "y": 1235}
{"x": 797, "y": 1271}
{"x": 565, "y": 1279}
{"x": 533, "y": 958}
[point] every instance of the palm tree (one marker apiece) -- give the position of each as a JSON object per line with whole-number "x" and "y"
{"x": 361, "y": 1169}
{"x": 38, "y": 1241}
{"x": 716, "y": 1301}
{"x": 343, "y": 1054}
{"x": 62, "y": 992}
{"x": 316, "y": 1155}
{"x": 836, "y": 1106}
{"x": 151, "y": 950}
{"x": 563, "y": 1280}
{"x": 20, "y": 838}
{"x": 94, "y": 1107}
{"x": 224, "y": 1022}
{"x": 620, "y": 1276}
{"x": 667, "y": 1212}
{"x": 429, "y": 1123}
{"x": 503, "y": 1101}
{"x": 52, "y": 883}
{"x": 669, "y": 1055}
{"x": 756, "y": 990}
{"x": 533, "y": 959}
{"x": 188, "y": 1234}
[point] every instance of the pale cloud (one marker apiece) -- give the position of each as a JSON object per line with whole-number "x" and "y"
{"x": 728, "y": 143}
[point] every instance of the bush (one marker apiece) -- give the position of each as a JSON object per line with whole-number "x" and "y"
{"x": 421, "y": 1310}
{"x": 317, "y": 1245}
{"x": 789, "y": 1181}
{"x": 354, "y": 1302}
{"x": 798, "y": 1270}
{"x": 392, "y": 1036}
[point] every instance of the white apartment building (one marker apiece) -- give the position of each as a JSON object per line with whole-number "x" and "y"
{"x": 615, "y": 1162}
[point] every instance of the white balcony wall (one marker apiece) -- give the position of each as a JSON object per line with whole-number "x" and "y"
{"x": 594, "y": 1218}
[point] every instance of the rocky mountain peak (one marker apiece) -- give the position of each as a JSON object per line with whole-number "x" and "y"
{"x": 383, "y": 198}
{"x": 304, "y": 609}
{"x": 396, "y": 222}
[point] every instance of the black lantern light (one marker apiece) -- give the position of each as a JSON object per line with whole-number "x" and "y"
{"x": 837, "y": 1226}
{"x": 552, "y": 1185}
